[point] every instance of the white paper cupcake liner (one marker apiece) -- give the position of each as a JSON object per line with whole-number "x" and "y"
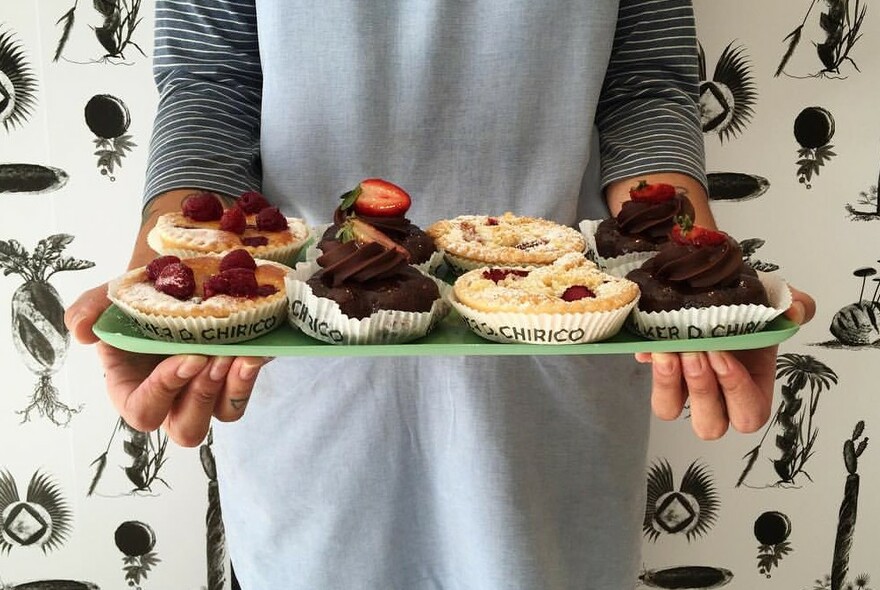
{"x": 618, "y": 266}
{"x": 715, "y": 321}
{"x": 321, "y": 318}
{"x": 237, "y": 327}
{"x": 543, "y": 328}
{"x": 284, "y": 254}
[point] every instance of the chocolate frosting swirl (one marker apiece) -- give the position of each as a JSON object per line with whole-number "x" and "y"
{"x": 699, "y": 267}
{"x": 348, "y": 261}
{"x": 653, "y": 219}
{"x": 390, "y": 226}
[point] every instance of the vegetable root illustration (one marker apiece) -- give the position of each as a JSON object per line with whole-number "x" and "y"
{"x": 799, "y": 433}
{"x": 136, "y": 540}
{"x": 38, "y": 329}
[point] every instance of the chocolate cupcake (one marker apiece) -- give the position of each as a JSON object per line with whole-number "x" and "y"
{"x": 697, "y": 285}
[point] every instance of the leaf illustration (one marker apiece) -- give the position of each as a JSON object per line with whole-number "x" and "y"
{"x": 68, "y": 19}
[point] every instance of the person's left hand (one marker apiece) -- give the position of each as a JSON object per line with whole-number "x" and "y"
{"x": 725, "y": 388}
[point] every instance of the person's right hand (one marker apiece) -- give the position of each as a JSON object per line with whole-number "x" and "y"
{"x": 181, "y": 392}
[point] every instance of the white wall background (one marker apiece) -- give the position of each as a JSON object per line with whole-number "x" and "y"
{"x": 807, "y": 233}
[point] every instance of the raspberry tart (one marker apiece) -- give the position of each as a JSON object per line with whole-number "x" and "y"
{"x": 697, "y": 285}
{"x": 208, "y": 299}
{"x": 620, "y": 244}
{"x": 570, "y": 301}
{"x": 204, "y": 226}
{"x": 474, "y": 241}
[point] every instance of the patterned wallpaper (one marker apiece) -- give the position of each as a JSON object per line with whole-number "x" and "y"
{"x": 792, "y": 133}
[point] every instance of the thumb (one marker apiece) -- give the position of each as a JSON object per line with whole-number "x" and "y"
{"x": 803, "y": 306}
{"x": 84, "y": 312}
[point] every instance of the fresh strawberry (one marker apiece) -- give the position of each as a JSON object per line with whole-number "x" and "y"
{"x": 157, "y": 264}
{"x": 652, "y": 193}
{"x": 363, "y": 233}
{"x": 233, "y": 220}
{"x": 251, "y": 202}
{"x": 576, "y": 292}
{"x": 684, "y": 232}
{"x": 238, "y": 259}
{"x": 202, "y": 206}
{"x": 177, "y": 280}
{"x": 375, "y": 197}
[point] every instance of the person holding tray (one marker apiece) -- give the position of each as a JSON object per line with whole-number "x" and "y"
{"x": 429, "y": 472}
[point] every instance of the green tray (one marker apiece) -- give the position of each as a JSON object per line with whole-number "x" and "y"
{"x": 450, "y": 337}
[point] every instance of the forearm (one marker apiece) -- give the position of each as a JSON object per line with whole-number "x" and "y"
{"x": 618, "y": 191}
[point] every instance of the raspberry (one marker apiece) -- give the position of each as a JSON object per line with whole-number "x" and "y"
{"x": 242, "y": 282}
{"x": 156, "y": 266}
{"x": 255, "y": 241}
{"x": 492, "y": 221}
{"x": 233, "y": 220}
{"x": 499, "y": 274}
{"x": 215, "y": 285}
{"x": 177, "y": 280}
{"x": 202, "y": 207}
{"x": 238, "y": 259}
{"x": 576, "y": 292}
{"x": 266, "y": 290}
{"x": 252, "y": 202}
{"x": 271, "y": 219}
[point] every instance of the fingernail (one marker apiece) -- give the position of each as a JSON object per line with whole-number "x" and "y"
{"x": 719, "y": 363}
{"x": 220, "y": 367}
{"x": 692, "y": 363}
{"x": 797, "y": 312}
{"x": 190, "y": 367}
{"x": 249, "y": 369}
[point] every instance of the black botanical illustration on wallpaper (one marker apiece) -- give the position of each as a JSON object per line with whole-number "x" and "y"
{"x": 796, "y": 438}
{"x": 147, "y": 455}
{"x": 691, "y": 510}
{"x": 860, "y": 582}
{"x": 772, "y": 530}
{"x": 858, "y": 324}
{"x": 30, "y": 179}
{"x": 120, "y": 20}
{"x": 137, "y": 541}
{"x": 686, "y": 576}
{"x": 216, "y": 533}
{"x": 867, "y": 207}
{"x": 727, "y": 100}
{"x": 51, "y": 585}
{"x": 750, "y": 248}
{"x": 108, "y": 118}
{"x": 38, "y": 329}
{"x": 841, "y": 25}
{"x": 813, "y": 130}
{"x": 736, "y": 186}
{"x": 42, "y": 519}
{"x": 18, "y": 85}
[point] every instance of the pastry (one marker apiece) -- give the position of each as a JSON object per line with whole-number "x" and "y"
{"x": 473, "y": 241}
{"x": 204, "y": 226}
{"x": 566, "y": 302}
{"x": 203, "y": 299}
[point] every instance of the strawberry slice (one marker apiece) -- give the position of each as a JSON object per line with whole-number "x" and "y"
{"x": 684, "y": 232}
{"x": 363, "y": 233}
{"x": 375, "y": 197}
{"x": 652, "y": 193}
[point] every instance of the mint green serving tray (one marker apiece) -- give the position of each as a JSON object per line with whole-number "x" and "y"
{"x": 450, "y": 337}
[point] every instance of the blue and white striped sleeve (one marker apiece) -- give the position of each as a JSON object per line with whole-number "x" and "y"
{"x": 207, "y": 69}
{"x": 648, "y": 118}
